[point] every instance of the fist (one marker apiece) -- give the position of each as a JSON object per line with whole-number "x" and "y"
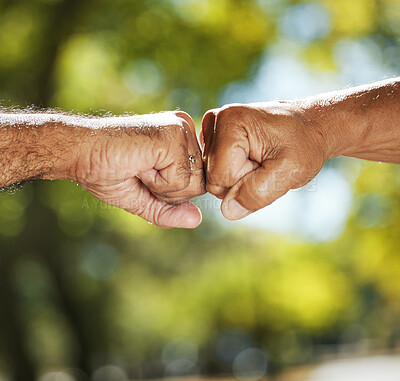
{"x": 149, "y": 165}
{"x": 256, "y": 153}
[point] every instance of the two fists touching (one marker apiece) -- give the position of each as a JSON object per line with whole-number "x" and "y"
{"x": 152, "y": 165}
{"x": 252, "y": 154}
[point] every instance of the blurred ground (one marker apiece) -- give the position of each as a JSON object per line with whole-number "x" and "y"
{"x": 369, "y": 368}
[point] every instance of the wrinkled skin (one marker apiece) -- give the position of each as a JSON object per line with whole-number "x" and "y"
{"x": 256, "y": 153}
{"x": 150, "y": 165}
{"x": 146, "y": 171}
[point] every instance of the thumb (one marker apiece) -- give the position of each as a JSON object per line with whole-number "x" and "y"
{"x": 258, "y": 189}
{"x": 160, "y": 213}
{"x": 185, "y": 215}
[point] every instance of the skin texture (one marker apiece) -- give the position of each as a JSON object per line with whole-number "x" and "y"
{"x": 256, "y": 153}
{"x": 137, "y": 163}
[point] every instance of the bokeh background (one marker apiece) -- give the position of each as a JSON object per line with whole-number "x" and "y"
{"x": 89, "y": 292}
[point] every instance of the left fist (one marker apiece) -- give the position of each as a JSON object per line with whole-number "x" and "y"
{"x": 255, "y": 153}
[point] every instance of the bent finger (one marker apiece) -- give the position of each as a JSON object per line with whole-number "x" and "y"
{"x": 258, "y": 189}
{"x": 193, "y": 157}
{"x": 228, "y": 159}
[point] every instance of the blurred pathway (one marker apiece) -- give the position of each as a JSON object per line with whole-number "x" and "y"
{"x": 376, "y": 368}
{"x": 369, "y": 368}
{"x": 373, "y": 368}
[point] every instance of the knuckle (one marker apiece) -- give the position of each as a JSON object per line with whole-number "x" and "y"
{"x": 222, "y": 177}
{"x": 194, "y": 186}
{"x": 212, "y": 177}
{"x": 216, "y": 190}
{"x": 184, "y": 116}
{"x": 184, "y": 128}
{"x": 232, "y": 112}
{"x": 222, "y": 170}
{"x": 207, "y": 124}
{"x": 224, "y": 117}
{"x": 177, "y": 130}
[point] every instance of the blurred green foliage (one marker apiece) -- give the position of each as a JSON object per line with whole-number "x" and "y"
{"x": 83, "y": 285}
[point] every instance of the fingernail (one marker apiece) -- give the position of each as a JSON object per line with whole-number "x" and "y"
{"x": 235, "y": 211}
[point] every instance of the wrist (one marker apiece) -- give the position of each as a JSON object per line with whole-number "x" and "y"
{"x": 67, "y": 143}
{"x": 311, "y": 124}
{"x": 358, "y": 122}
{"x": 37, "y": 146}
{"x": 103, "y": 144}
{"x": 335, "y": 128}
{"x": 91, "y": 143}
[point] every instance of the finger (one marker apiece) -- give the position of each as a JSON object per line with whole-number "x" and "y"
{"x": 188, "y": 119}
{"x": 221, "y": 191}
{"x": 201, "y": 141}
{"x": 178, "y": 177}
{"x": 191, "y": 156}
{"x": 259, "y": 188}
{"x": 165, "y": 215}
{"x": 207, "y": 130}
{"x": 162, "y": 214}
{"x": 228, "y": 156}
{"x": 174, "y": 175}
{"x": 171, "y": 172}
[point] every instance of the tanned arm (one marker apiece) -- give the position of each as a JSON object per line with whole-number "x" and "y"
{"x": 37, "y": 146}
{"x": 145, "y": 164}
{"x": 362, "y": 122}
{"x": 256, "y": 153}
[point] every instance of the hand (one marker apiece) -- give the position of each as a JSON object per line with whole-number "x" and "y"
{"x": 255, "y": 153}
{"x": 142, "y": 164}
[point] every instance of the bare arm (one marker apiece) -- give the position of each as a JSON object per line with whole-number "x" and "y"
{"x": 37, "y": 146}
{"x": 256, "y": 153}
{"x": 362, "y": 122}
{"x": 138, "y": 163}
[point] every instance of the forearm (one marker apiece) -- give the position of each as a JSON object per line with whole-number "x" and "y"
{"x": 59, "y": 146}
{"x": 138, "y": 163}
{"x": 38, "y": 146}
{"x": 362, "y": 122}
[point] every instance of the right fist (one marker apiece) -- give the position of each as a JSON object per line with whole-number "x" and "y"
{"x": 255, "y": 153}
{"x": 149, "y": 165}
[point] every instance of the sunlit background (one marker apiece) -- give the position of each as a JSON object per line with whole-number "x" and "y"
{"x": 307, "y": 289}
